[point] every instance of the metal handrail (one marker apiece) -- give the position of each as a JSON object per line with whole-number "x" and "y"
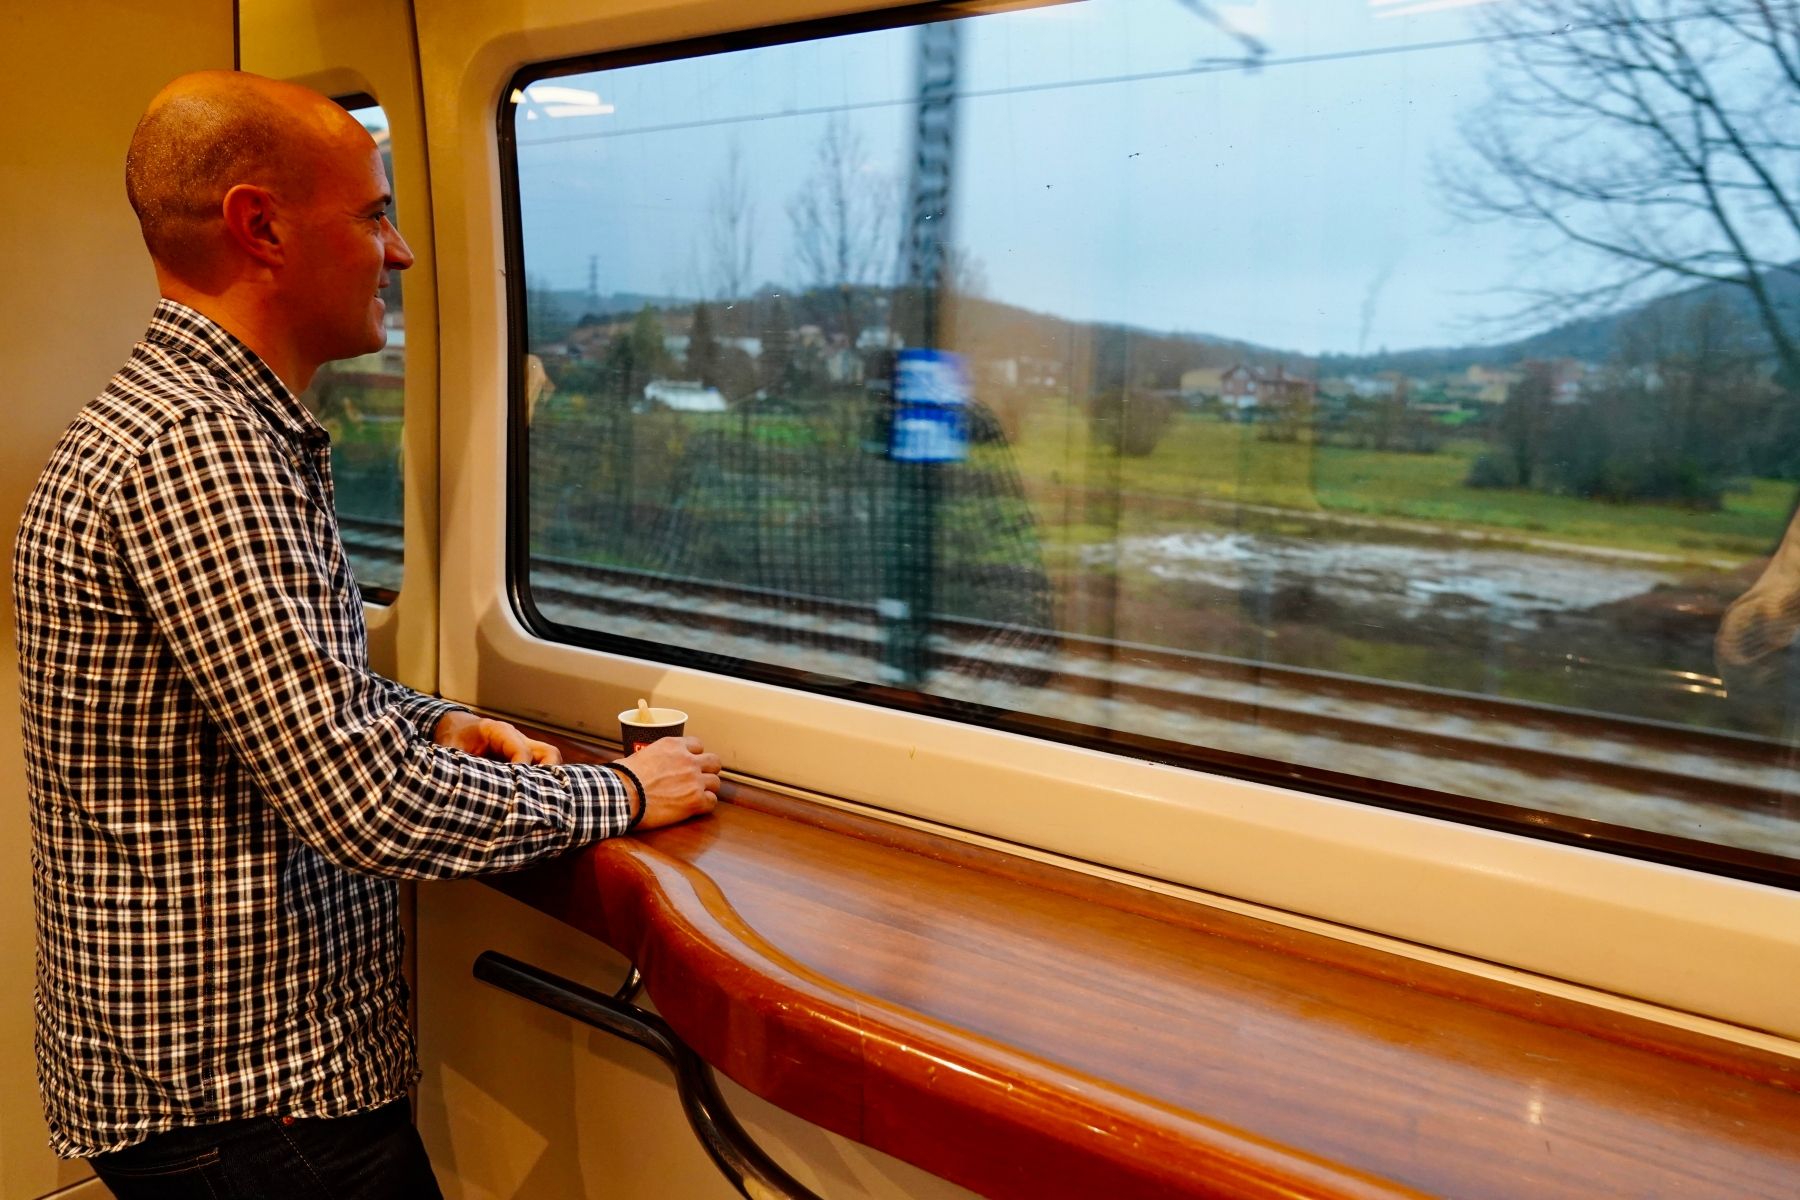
{"x": 738, "y": 1158}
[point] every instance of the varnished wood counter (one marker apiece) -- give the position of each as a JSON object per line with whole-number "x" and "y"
{"x": 1032, "y": 1032}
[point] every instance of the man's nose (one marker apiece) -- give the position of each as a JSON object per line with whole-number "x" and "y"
{"x": 399, "y": 254}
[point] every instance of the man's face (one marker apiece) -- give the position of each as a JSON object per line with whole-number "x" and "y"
{"x": 342, "y": 247}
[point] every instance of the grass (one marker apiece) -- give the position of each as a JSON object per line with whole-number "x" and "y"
{"x": 1204, "y": 469}
{"x": 1204, "y": 460}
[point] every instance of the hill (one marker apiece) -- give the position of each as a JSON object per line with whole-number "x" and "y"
{"x": 1105, "y": 355}
{"x": 1603, "y": 338}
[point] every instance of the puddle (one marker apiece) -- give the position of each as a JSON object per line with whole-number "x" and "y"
{"x": 1509, "y": 587}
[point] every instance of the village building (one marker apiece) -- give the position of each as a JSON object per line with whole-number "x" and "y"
{"x": 1246, "y": 390}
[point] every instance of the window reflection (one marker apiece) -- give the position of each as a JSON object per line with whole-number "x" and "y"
{"x": 1376, "y": 389}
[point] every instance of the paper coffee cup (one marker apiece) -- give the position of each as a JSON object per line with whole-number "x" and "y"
{"x": 639, "y": 727}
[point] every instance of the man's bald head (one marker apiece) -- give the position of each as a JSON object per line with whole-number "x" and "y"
{"x": 210, "y": 131}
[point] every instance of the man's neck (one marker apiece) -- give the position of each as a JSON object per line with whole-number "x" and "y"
{"x": 239, "y": 312}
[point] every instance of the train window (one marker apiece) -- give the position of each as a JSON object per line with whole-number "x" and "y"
{"x": 360, "y": 401}
{"x": 1400, "y": 399}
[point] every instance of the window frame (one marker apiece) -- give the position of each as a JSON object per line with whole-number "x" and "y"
{"x": 1563, "y": 829}
{"x": 1690, "y": 948}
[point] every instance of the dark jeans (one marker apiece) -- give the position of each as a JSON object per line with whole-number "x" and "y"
{"x": 370, "y": 1156}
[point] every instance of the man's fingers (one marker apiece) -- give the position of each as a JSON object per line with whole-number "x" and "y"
{"x": 681, "y": 779}
{"x": 534, "y": 752}
{"x": 485, "y": 737}
{"x": 505, "y": 741}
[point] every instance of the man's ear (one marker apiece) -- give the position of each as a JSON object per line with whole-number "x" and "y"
{"x": 250, "y": 223}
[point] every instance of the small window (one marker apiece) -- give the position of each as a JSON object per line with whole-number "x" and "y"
{"x": 361, "y": 403}
{"x": 1395, "y": 399}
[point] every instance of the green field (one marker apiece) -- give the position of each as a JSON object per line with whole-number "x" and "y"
{"x": 1206, "y": 462}
{"x": 1204, "y": 468}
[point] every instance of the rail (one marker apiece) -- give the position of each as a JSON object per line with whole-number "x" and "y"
{"x": 752, "y": 1172}
{"x": 1691, "y": 765}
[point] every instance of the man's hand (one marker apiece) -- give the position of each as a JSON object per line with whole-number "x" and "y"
{"x": 486, "y": 738}
{"x": 681, "y": 780}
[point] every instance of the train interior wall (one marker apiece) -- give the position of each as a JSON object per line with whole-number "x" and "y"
{"x": 79, "y": 290}
{"x": 514, "y": 1102}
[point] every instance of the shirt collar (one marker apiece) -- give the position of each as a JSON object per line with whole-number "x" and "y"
{"x": 175, "y": 326}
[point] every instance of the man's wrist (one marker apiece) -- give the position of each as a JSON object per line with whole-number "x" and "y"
{"x": 445, "y": 728}
{"x": 423, "y": 713}
{"x": 637, "y": 785}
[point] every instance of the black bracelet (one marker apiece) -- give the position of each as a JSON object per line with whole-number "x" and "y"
{"x": 643, "y": 796}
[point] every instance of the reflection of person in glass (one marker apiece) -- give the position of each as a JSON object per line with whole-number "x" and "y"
{"x": 1754, "y": 646}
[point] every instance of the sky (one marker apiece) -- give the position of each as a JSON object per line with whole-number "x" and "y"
{"x": 1109, "y": 166}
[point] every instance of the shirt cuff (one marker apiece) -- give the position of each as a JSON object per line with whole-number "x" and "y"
{"x": 602, "y": 801}
{"x": 424, "y": 712}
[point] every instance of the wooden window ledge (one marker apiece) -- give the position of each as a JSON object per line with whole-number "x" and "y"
{"x": 1028, "y": 1031}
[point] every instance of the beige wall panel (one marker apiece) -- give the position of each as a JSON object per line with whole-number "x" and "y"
{"x": 74, "y": 78}
{"x": 520, "y": 1102}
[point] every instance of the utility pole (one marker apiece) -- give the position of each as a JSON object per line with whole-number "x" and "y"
{"x": 926, "y": 426}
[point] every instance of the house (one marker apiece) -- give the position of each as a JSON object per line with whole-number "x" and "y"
{"x": 1568, "y": 376}
{"x": 676, "y": 345}
{"x": 1201, "y": 383}
{"x": 1487, "y": 385}
{"x": 878, "y": 337}
{"x": 1383, "y": 386}
{"x": 1245, "y": 390}
{"x": 843, "y": 365}
{"x": 682, "y": 395}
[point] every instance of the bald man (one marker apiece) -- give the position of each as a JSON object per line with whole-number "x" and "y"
{"x": 222, "y": 793}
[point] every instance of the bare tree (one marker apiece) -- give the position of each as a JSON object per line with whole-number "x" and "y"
{"x": 1660, "y": 136}
{"x": 733, "y": 217}
{"x": 964, "y": 273}
{"x": 843, "y": 221}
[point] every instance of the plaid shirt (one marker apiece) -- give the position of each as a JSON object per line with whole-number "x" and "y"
{"x": 222, "y": 792}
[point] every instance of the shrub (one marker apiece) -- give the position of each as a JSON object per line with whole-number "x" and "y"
{"x": 1132, "y": 423}
{"x": 1492, "y": 471}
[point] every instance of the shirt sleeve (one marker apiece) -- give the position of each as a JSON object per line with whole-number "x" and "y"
{"x": 243, "y": 576}
{"x": 422, "y": 711}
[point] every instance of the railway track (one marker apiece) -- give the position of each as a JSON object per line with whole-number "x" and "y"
{"x": 1287, "y": 713}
